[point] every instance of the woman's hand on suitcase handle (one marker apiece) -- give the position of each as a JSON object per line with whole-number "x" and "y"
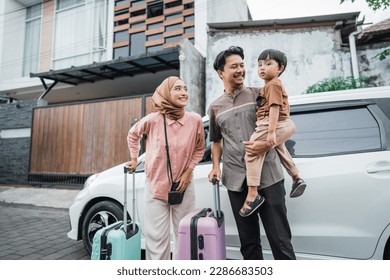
{"x": 132, "y": 165}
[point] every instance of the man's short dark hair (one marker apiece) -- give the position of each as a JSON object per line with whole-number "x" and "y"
{"x": 220, "y": 60}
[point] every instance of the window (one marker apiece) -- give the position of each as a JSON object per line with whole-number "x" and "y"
{"x": 121, "y": 22}
{"x": 155, "y": 25}
{"x": 384, "y": 105}
{"x": 121, "y": 52}
{"x": 155, "y": 37}
{"x": 64, "y": 4}
{"x": 173, "y": 16}
{"x": 173, "y": 39}
{"x": 138, "y": 24}
{"x": 32, "y": 39}
{"x": 137, "y": 43}
{"x": 80, "y": 32}
{"x": 189, "y": 29}
{"x": 173, "y": 27}
{"x": 189, "y": 18}
{"x": 121, "y": 36}
{"x": 189, "y": 6}
{"x": 121, "y": 12}
{"x": 137, "y": 13}
{"x": 154, "y": 48}
{"x": 207, "y": 152}
{"x": 173, "y": 4}
{"x": 137, "y": 3}
{"x": 155, "y": 9}
{"x": 334, "y": 132}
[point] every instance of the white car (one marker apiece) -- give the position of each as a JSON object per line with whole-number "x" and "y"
{"x": 342, "y": 149}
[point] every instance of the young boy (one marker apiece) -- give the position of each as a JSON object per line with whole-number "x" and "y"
{"x": 273, "y": 123}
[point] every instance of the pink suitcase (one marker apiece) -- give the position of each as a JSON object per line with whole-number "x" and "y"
{"x": 202, "y": 233}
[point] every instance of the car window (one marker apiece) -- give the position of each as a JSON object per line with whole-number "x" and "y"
{"x": 334, "y": 132}
{"x": 207, "y": 152}
{"x": 384, "y": 104}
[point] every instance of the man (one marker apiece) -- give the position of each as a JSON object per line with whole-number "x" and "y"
{"x": 232, "y": 121}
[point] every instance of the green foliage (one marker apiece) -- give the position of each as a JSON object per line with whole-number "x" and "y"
{"x": 374, "y": 4}
{"x": 383, "y": 54}
{"x": 339, "y": 83}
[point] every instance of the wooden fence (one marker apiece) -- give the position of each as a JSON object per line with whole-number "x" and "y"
{"x": 82, "y": 139}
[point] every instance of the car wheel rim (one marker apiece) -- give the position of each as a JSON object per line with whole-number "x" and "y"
{"x": 98, "y": 221}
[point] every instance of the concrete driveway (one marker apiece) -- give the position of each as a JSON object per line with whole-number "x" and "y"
{"x": 34, "y": 223}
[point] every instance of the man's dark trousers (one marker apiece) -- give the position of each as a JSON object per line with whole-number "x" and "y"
{"x": 273, "y": 213}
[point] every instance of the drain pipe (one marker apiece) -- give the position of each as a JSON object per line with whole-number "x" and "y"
{"x": 352, "y": 49}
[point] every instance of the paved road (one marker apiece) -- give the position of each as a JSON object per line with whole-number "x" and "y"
{"x": 29, "y": 232}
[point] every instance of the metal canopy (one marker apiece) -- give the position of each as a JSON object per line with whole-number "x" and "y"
{"x": 123, "y": 66}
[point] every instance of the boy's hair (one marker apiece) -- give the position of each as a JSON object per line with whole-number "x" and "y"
{"x": 276, "y": 55}
{"x": 220, "y": 60}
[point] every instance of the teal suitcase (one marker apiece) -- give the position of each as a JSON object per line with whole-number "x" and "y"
{"x": 120, "y": 240}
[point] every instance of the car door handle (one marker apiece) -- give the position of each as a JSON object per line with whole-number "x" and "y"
{"x": 380, "y": 166}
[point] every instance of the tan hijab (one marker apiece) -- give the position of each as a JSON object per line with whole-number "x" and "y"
{"x": 162, "y": 100}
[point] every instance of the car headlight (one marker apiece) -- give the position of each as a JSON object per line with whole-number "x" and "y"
{"x": 90, "y": 180}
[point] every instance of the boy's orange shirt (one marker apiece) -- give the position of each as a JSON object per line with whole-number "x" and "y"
{"x": 274, "y": 93}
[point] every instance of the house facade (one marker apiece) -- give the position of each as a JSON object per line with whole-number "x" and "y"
{"x": 40, "y": 36}
{"x": 68, "y": 66}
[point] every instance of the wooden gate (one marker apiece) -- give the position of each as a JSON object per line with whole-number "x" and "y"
{"x": 71, "y": 142}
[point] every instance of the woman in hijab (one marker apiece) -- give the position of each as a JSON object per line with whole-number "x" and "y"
{"x": 186, "y": 147}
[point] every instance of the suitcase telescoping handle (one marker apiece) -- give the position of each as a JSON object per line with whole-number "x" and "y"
{"x": 126, "y": 170}
{"x": 217, "y": 198}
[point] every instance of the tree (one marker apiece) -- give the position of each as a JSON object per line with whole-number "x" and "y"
{"x": 374, "y": 4}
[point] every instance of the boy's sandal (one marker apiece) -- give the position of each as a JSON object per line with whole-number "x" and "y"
{"x": 298, "y": 188}
{"x": 253, "y": 205}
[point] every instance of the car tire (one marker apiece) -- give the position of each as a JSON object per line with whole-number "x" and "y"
{"x": 98, "y": 216}
{"x": 386, "y": 254}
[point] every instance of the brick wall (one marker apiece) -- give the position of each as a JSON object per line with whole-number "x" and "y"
{"x": 15, "y": 152}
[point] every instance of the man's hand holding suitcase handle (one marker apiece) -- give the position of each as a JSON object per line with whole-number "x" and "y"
{"x": 130, "y": 166}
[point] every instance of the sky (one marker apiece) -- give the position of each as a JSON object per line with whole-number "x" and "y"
{"x": 278, "y": 9}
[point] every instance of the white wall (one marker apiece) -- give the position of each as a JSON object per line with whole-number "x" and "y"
{"x": 370, "y": 66}
{"x": 201, "y": 26}
{"x": 13, "y": 27}
{"x": 227, "y": 11}
{"x": 208, "y": 11}
{"x": 2, "y": 13}
{"x": 313, "y": 55}
{"x": 110, "y": 29}
{"x": 193, "y": 74}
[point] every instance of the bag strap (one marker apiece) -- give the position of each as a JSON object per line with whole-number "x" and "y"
{"x": 169, "y": 169}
